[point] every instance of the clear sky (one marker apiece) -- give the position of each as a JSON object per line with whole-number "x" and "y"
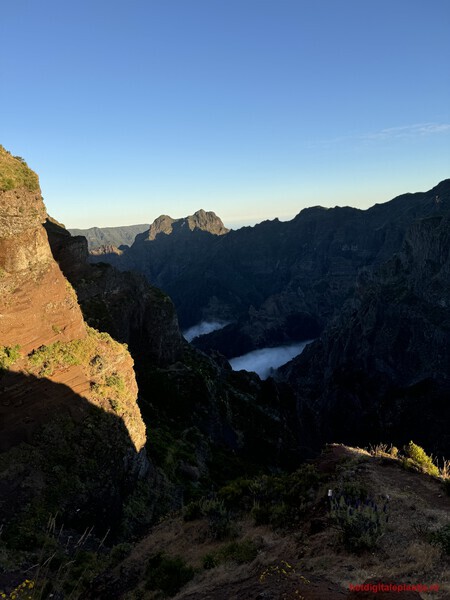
{"x": 251, "y": 108}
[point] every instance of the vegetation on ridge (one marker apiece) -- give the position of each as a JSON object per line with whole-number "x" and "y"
{"x": 15, "y": 173}
{"x": 208, "y": 426}
{"x": 8, "y": 356}
{"x": 416, "y": 456}
{"x": 300, "y": 537}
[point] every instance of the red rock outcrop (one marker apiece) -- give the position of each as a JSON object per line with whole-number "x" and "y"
{"x": 37, "y": 304}
{"x": 43, "y": 337}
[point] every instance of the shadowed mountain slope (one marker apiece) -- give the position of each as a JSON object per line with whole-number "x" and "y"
{"x": 277, "y": 282}
{"x": 298, "y": 548}
{"x": 208, "y": 423}
{"x": 67, "y": 392}
{"x": 122, "y": 303}
{"x": 381, "y": 369}
{"x": 61, "y": 453}
{"x": 73, "y": 439}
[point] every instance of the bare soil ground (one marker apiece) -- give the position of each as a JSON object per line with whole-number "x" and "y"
{"x": 309, "y": 562}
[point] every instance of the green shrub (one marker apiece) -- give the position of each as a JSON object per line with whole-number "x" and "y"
{"x": 192, "y": 511}
{"x": 63, "y": 565}
{"x": 281, "y": 515}
{"x": 361, "y": 521}
{"x": 283, "y": 499}
{"x": 234, "y": 493}
{"x": 87, "y": 351}
{"x": 239, "y": 552}
{"x": 261, "y": 513}
{"x": 167, "y": 573}
{"x": 442, "y": 538}
{"x": 15, "y": 173}
{"x": 419, "y": 457}
{"x": 393, "y": 451}
{"x": 355, "y": 490}
{"x": 116, "y": 382}
{"x": 221, "y": 525}
{"x": 210, "y": 561}
{"x": 220, "y": 520}
{"x": 280, "y": 500}
{"x": 137, "y": 510}
{"x": 8, "y": 356}
{"x": 46, "y": 359}
{"x": 114, "y": 404}
{"x": 119, "y": 552}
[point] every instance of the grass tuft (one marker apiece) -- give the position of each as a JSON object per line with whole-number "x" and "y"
{"x": 15, "y": 173}
{"x": 8, "y": 356}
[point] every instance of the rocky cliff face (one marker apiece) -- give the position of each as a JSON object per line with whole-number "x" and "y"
{"x": 381, "y": 369}
{"x": 69, "y": 418}
{"x": 167, "y": 251}
{"x": 200, "y": 220}
{"x": 306, "y": 269}
{"x": 37, "y": 304}
{"x": 122, "y": 303}
{"x": 206, "y": 421}
{"x": 277, "y": 282}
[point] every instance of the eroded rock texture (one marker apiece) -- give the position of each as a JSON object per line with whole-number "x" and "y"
{"x": 71, "y": 433}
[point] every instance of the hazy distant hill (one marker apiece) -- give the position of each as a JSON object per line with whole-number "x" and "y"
{"x": 110, "y": 236}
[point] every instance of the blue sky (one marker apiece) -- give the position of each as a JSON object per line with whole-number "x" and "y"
{"x": 251, "y": 108}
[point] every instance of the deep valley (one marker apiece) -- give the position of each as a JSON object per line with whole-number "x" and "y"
{"x": 140, "y": 463}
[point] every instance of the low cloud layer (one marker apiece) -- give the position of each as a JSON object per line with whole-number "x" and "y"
{"x": 202, "y": 328}
{"x": 264, "y": 361}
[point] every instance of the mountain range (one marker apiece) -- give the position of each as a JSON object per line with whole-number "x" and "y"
{"x": 371, "y": 286}
{"x": 110, "y": 236}
{"x": 276, "y": 282}
{"x": 133, "y": 462}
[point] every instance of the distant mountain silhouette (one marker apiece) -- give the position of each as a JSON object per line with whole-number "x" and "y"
{"x": 110, "y": 236}
{"x": 372, "y": 287}
{"x": 278, "y": 281}
{"x": 180, "y": 388}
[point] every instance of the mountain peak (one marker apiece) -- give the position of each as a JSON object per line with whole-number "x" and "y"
{"x": 206, "y": 221}
{"x": 202, "y": 220}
